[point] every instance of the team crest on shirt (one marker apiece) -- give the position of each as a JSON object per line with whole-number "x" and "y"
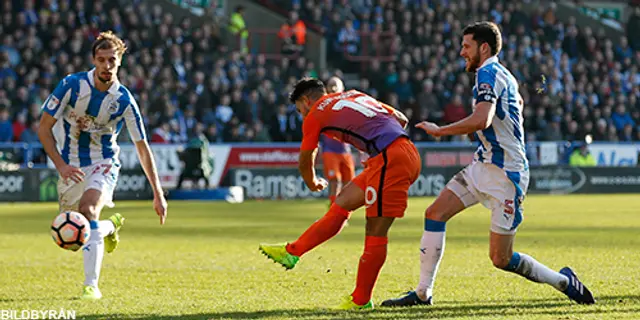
{"x": 113, "y": 107}
{"x": 52, "y": 103}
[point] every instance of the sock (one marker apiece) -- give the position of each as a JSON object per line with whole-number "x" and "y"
{"x": 92, "y": 253}
{"x": 105, "y": 228}
{"x": 431, "y": 251}
{"x": 332, "y": 199}
{"x": 535, "y": 271}
{"x": 371, "y": 261}
{"x": 322, "y": 230}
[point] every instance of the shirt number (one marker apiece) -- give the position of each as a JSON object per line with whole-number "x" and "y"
{"x": 366, "y": 105}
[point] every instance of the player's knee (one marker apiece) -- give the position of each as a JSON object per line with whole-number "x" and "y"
{"x": 499, "y": 260}
{"x": 90, "y": 211}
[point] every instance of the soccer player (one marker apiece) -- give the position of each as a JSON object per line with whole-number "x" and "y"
{"x": 498, "y": 177}
{"x": 372, "y": 127}
{"x": 88, "y": 110}
{"x": 337, "y": 161}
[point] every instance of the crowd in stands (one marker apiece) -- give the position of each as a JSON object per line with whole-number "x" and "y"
{"x": 574, "y": 81}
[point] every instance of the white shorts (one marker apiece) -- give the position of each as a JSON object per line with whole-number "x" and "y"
{"x": 101, "y": 176}
{"x": 498, "y": 190}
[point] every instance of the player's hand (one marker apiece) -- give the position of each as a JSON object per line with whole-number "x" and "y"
{"x": 70, "y": 172}
{"x": 430, "y": 128}
{"x": 318, "y": 184}
{"x": 160, "y": 206}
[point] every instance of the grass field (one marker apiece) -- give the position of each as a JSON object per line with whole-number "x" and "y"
{"x": 204, "y": 263}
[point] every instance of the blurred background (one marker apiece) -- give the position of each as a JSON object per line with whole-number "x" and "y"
{"x": 212, "y": 76}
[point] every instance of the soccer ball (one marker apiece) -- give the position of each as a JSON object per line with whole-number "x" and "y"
{"x": 70, "y": 230}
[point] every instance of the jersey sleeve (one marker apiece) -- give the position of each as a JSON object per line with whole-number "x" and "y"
{"x": 389, "y": 108}
{"x": 59, "y": 98}
{"x": 310, "y": 134}
{"x": 135, "y": 124}
{"x": 487, "y": 86}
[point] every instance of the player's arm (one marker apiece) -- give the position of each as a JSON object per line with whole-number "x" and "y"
{"x": 308, "y": 152}
{"x": 482, "y": 115}
{"x": 480, "y": 119}
{"x": 53, "y": 110}
{"x": 135, "y": 126}
{"x": 402, "y": 119}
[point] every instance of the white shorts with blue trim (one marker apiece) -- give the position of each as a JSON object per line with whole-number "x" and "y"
{"x": 101, "y": 176}
{"x": 498, "y": 190}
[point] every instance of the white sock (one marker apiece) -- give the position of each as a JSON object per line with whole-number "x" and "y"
{"x": 535, "y": 271}
{"x": 93, "y": 252}
{"x": 105, "y": 228}
{"x": 431, "y": 251}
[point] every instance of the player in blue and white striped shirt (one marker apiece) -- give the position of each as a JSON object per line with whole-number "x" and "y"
{"x": 87, "y": 112}
{"x": 498, "y": 177}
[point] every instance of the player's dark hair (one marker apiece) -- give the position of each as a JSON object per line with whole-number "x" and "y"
{"x": 486, "y": 32}
{"x": 305, "y": 87}
{"x": 108, "y": 40}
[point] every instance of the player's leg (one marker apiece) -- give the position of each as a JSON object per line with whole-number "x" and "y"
{"x": 386, "y": 197}
{"x": 90, "y": 206}
{"x": 503, "y": 257}
{"x": 334, "y": 189}
{"x": 454, "y": 198}
{"x": 349, "y": 199}
{"x": 347, "y": 169}
{"x": 372, "y": 260}
{"x": 100, "y": 184}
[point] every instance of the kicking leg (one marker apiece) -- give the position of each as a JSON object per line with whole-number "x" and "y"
{"x": 349, "y": 199}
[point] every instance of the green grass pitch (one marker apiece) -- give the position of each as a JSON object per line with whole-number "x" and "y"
{"x": 204, "y": 263}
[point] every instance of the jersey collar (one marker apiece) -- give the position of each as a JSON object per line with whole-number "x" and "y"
{"x": 114, "y": 86}
{"x": 493, "y": 59}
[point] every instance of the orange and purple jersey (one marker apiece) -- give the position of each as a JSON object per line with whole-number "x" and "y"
{"x": 354, "y": 118}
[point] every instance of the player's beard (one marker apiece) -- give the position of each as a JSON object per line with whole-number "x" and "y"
{"x": 105, "y": 81}
{"x": 474, "y": 62}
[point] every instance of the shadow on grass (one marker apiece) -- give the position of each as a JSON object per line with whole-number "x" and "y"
{"x": 506, "y": 308}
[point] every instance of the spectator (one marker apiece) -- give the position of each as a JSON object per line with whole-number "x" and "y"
{"x": 19, "y": 125}
{"x": 238, "y": 28}
{"x": 633, "y": 25}
{"x": 454, "y": 111}
{"x": 294, "y": 34}
{"x": 348, "y": 40}
{"x": 261, "y": 134}
{"x": 279, "y": 125}
{"x": 162, "y": 134}
{"x": 6, "y": 128}
{"x": 581, "y": 157}
{"x": 621, "y": 118}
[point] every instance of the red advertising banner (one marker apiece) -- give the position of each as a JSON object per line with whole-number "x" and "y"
{"x": 263, "y": 157}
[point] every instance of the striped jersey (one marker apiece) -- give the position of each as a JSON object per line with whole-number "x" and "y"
{"x": 90, "y": 120}
{"x": 502, "y": 143}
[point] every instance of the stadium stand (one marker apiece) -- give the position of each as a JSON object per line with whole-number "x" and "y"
{"x": 575, "y": 81}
